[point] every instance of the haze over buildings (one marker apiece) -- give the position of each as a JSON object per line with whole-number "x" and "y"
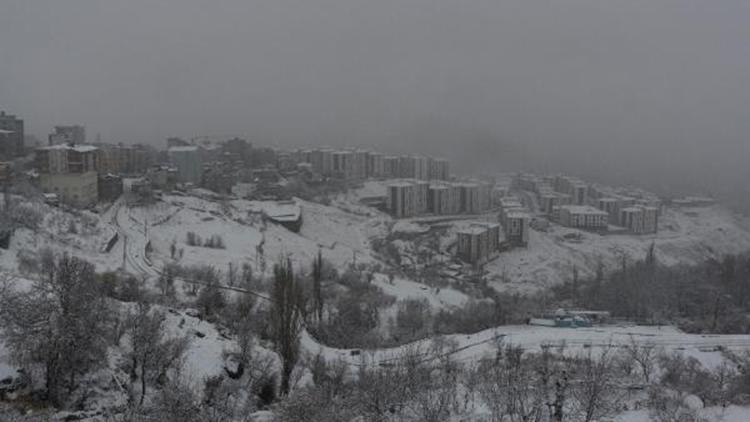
{"x": 647, "y": 92}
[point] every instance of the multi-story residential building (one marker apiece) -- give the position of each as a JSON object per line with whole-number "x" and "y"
{"x": 577, "y": 189}
{"x": 12, "y": 136}
{"x": 376, "y": 165}
{"x": 444, "y": 199}
{"x": 548, "y": 201}
{"x": 124, "y": 159}
{"x": 632, "y": 219}
{"x": 421, "y": 167}
{"x": 516, "y": 227}
{"x": 401, "y": 199}
{"x": 75, "y": 189}
{"x": 407, "y": 198}
{"x": 583, "y": 217}
{"x": 650, "y": 219}
{"x": 187, "y": 160}
{"x": 72, "y": 134}
{"x": 477, "y": 243}
{"x": 359, "y": 164}
{"x": 162, "y": 177}
{"x": 475, "y": 197}
{"x": 391, "y": 166}
{"x": 439, "y": 169}
{"x": 421, "y": 189}
{"x": 407, "y": 167}
{"x": 322, "y": 161}
{"x": 64, "y": 158}
{"x": 612, "y": 207}
{"x": 343, "y": 164}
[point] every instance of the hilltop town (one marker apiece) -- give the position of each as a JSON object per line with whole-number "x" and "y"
{"x": 405, "y": 251}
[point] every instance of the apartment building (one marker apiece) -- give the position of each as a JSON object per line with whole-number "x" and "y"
{"x": 422, "y": 167}
{"x": 12, "y": 136}
{"x": 407, "y": 198}
{"x": 549, "y": 200}
{"x": 401, "y": 199}
{"x": 650, "y": 219}
{"x": 188, "y": 162}
{"x": 632, "y": 219}
{"x": 439, "y": 169}
{"x": 65, "y": 158}
{"x": 577, "y": 189}
{"x": 376, "y": 165}
{"x": 640, "y": 219}
{"x": 475, "y": 197}
{"x": 322, "y": 161}
{"x": 391, "y": 166}
{"x": 516, "y": 227}
{"x": 124, "y": 159}
{"x": 583, "y": 217}
{"x": 407, "y": 167}
{"x": 478, "y": 243}
{"x": 444, "y": 199}
{"x": 612, "y": 206}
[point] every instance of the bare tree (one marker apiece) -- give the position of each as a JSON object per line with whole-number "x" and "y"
{"x": 57, "y": 327}
{"x": 644, "y": 357}
{"x": 286, "y": 319}
{"x": 595, "y": 393}
{"x": 151, "y": 354}
{"x": 317, "y": 275}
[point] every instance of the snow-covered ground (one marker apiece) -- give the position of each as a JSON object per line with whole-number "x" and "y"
{"x": 711, "y": 414}
{"x": 686, "y": 236}
{"x": 705, "y": 348}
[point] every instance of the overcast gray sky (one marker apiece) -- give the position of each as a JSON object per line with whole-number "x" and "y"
{"x": 618, "y": 88}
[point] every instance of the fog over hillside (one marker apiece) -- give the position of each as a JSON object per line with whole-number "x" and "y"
{"x": 653, "y": 92}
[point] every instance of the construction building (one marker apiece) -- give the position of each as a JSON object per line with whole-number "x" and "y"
{"x": 72, "y": 134}
{"x": 65, "y": 158}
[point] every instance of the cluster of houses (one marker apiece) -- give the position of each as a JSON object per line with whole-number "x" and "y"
{"x": 574, "y": 203}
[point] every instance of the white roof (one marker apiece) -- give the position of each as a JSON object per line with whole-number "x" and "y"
{"x": 5, "y": 132}
{"x": 187, "y": 148}
{"x": 517, "y": 214}
{"x": 78, "y": 148}
{"x": 472, "y": 230}
{"x": 583, "y": 209}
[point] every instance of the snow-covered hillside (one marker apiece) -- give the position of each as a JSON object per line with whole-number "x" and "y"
{"x": 689, "y": 235}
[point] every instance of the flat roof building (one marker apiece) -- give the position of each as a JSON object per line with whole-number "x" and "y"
{"x": 478, "y": 243}
{"x": 583, "y": 217}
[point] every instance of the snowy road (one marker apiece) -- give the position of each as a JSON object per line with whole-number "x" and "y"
{"x": 472, "y": 347}
{"x": 133, "y": 240}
